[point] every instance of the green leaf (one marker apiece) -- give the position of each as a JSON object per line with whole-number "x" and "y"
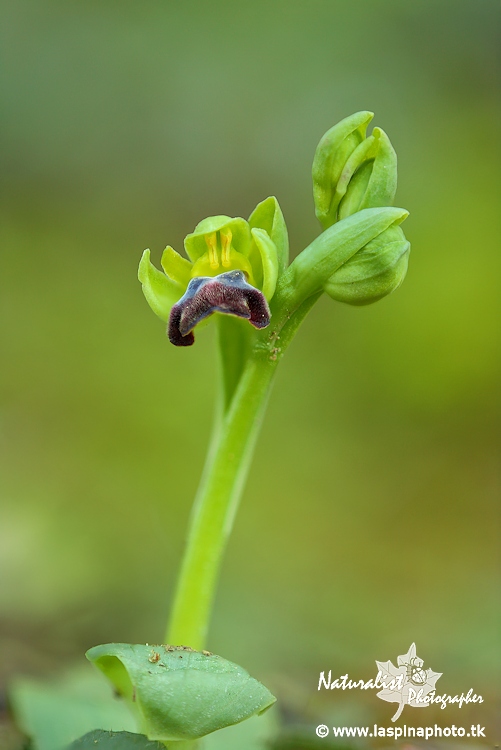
{"x": 160, "y": 291}
{"x": 313, "y": 268}
{"x": 55, "y": 713}
{"x": 181, "y": 694}
{"x": 268, "y": 216}
{"x": 100, "y": 740}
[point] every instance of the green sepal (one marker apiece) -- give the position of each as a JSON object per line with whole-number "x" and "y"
{"x": 179, "y": 693}
{"x": 382, "y": 184}
{"x": 269, "y": 261}
{"x": 160, "y": 291}
{"x": 351, "y": 201}
{"x": 369, "y": 179}
{"x": 176, "y": 267}
{"x": 331, "y": 155}
{"x": 364, "y": 153}
{"x": 312, "y": 269}
{"x": 196, "y": 245}
{"x": 373, "y": 272}
{"x": 268, "y": 216}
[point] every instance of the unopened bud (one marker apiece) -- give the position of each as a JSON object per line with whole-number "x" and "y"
{"x": 373, "y": 272}
{"x": 317, "y": 266}
{"x": 330, "y": 159}
{"x": 352, "y": 172}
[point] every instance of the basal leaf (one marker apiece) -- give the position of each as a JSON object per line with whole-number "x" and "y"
{"x": 179, "y": 693}
{"x": 55, "y": 713}
{"x": 102, "y": 740}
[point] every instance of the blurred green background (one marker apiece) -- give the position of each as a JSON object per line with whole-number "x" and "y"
{"x": 369, "y": 519}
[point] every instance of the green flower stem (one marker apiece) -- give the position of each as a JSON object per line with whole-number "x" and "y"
{"x": 216, "y": 504}
{"x": 235, "y": 432}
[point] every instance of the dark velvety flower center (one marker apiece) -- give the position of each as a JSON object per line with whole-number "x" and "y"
{"x": 227, "y": 293}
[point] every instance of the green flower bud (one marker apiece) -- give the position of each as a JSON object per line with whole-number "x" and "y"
{"x": 367, "y": 178}
{"x": 373, "y": 272}
{"x": 181, "y": 694}
{"x": 314, "y": 268}
{"x": 334, "y": 149}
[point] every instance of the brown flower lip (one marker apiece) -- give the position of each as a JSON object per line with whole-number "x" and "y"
{"x": 226, "y": 293}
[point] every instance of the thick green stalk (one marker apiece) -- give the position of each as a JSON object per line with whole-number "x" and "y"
{"x": 217, "y": 501}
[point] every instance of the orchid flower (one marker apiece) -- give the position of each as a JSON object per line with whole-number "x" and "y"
{"x": 232, "y": 269}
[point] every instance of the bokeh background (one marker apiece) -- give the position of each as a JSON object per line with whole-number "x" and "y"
{"x": 369, "y": 519}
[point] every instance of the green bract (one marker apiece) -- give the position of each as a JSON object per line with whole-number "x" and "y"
{"x": 352, "y": 172}
{"x": 179, "y": 693}
{"x": 258, "y": 247}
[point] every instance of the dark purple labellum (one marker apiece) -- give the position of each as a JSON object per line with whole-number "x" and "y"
{"x": 227, "y": 293}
